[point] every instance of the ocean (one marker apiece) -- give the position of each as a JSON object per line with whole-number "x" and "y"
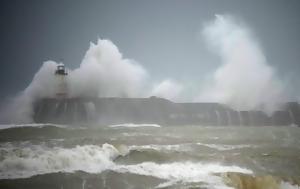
{"x": 136, "y": 156}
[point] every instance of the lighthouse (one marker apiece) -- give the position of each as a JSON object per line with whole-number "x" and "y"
{"x": 62, "y": 88}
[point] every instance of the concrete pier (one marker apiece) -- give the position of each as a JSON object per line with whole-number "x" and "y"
{"x": 155, "y": 110}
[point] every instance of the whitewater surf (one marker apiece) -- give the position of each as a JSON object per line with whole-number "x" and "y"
{"x": 149, "y": 156}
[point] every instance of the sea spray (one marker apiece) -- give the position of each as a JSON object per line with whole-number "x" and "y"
{"x": 243, "y": 68}
{"x": 105, "y": 72}
{"x": 174, "y": 157}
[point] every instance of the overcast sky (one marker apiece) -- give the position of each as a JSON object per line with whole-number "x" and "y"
{"x": 163, "y": 36}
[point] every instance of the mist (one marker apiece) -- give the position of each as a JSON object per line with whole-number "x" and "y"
{"x": 244, "y": 80}
{"x": 169, "y": 89}
{"x": 19, "y": 109}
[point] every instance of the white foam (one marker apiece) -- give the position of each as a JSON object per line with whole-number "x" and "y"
{"x": 37, "y": 159}
{"x": 167, "y": 147}
{"x": 135, "y": 125}
{"x": 224, "y": 147}
{"x": 183, "y": 172}
{"x": 22, "y": 161}
{"x": 40, "y": 125}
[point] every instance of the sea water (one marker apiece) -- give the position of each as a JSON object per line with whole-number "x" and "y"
{"x": 149, "y": 156}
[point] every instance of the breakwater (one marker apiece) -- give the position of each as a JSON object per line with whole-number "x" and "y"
{"x": 155, "y": 110}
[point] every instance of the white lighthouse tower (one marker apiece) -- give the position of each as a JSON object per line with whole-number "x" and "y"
{"x": 62, "y": 88}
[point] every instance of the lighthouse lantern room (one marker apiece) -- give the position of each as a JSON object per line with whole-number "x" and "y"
{"x": 61, "y": 74}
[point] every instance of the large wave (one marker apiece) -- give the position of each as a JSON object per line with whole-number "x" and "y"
{"x": 135, "y": 125}
{"x": 38, "y": 159}
{"x": 33, "y": 160}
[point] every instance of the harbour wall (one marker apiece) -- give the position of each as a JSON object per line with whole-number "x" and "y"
{"x": 156, "y": 110}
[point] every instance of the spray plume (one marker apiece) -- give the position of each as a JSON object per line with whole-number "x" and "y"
{"x": 244, "y": 80}
{"x": 103, "y": 73}
{"x": 169, "y": 89}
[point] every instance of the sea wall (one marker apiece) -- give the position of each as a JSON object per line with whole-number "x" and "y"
{"x": 155, "y": 110}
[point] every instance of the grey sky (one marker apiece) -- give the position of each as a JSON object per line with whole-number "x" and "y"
{"x": 163, "y": 36}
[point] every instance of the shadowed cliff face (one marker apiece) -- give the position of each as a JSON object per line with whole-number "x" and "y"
{"x": 155, "y": 110}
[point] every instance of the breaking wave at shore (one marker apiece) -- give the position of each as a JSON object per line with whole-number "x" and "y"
{"x": 135, "y": 125}
{"x": 39, "y": 125}
{"x": 40, "y": 159}
{"x": 36, "y": 160}
{"x": 150, "y": 157}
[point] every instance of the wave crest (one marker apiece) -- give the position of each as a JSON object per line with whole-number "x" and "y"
{"x": 135, "y": 125}
{"x": 29, "y": 161}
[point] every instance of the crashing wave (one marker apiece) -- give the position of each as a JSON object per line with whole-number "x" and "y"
{"x": 224, "y": 147}
{"x": 30, "y": 160}
{"x": 183, "y": 172}
{"x": 33, "y": 160}
{"x": 135, "y": 125}
{"x": 39, "y": 125}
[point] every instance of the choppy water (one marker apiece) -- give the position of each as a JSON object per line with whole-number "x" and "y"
{"x": 149, "y": 156}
